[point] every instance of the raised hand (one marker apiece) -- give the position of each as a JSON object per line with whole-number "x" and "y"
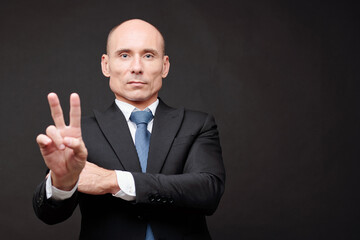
{"x": 62, "y": 147}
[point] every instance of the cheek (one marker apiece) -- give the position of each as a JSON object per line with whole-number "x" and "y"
{"x": 117, "y": 68}
{"x": 116, "y": 83}
{"x": 112, "y": 85}
{"x": 157, "y": 84}
{"x": 156, "y": 72}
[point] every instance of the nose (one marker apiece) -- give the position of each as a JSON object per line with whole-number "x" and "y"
{"x": 136, "y": 66}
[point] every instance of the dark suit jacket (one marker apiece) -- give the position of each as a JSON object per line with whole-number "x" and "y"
{"x": 183, "y": 183}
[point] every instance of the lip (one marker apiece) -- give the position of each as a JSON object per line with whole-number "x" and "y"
{"x": 136, "y": 83}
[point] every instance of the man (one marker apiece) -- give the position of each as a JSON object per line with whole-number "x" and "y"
{"x": 130, "y": 185}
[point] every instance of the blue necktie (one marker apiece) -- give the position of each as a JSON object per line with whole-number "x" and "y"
{"x": 142, "y": 141}
{"x": 142, "y": 135}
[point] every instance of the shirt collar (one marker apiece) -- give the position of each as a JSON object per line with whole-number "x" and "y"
{"x": 127, "y": 108}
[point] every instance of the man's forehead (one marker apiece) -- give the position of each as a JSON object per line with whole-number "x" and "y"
{"x": 134, "y": 40}
{"x": 121, "y": 35}
{"x": 135, "y": 33}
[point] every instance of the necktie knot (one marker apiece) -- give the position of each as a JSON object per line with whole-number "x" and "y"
{"x": 141, "y": 117}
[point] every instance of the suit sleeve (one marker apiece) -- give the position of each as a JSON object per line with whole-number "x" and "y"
{"x": 201, "y": 184}
{"x": 51, "y": 211}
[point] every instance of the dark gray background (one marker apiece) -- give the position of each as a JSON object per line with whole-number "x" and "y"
{"x": 281, "y": 78}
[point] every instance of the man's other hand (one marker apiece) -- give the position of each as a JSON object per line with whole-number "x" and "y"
{"x": 96, "y": 180}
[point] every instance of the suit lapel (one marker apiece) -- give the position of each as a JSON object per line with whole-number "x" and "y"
{"x": 167, "y": 122}
{"x": 115, "y": 128}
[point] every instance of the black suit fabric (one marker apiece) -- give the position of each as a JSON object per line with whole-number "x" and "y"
{"x": 183, "y": 183}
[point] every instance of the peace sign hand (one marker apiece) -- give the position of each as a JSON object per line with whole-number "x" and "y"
{"x": 62, "y": 147}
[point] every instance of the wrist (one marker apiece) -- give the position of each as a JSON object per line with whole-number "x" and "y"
{"x": 111, "y": 182}
{"x": 64, "y": 183}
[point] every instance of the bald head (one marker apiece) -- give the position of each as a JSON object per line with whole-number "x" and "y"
{"x": 134, "y": 25}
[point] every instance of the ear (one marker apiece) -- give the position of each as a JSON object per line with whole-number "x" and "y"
{"x": 105, "y": 65}
{"x": 166, "y": 66}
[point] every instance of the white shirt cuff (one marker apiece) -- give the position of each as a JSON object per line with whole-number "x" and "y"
{"x": 55, "y": 193}
{"x": 126, "y": 184}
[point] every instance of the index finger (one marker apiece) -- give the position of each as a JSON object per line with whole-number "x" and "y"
{"x": 75, "y": 111}
{"x": 56, "y": 111}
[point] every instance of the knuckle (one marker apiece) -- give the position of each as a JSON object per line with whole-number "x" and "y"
{"x": 56, "y": 114}
{"x": 75, "y": 143}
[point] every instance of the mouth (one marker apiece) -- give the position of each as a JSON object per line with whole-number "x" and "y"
{"x": 136, "y": 83}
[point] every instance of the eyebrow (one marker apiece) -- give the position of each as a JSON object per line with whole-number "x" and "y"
{"x": 151, "y": 50}
{"x": 122, "y": 50}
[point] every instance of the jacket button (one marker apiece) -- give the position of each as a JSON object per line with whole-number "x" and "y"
{"x": 151, "y": 198}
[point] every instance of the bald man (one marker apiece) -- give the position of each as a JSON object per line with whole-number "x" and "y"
{"x": 95, "y": 162}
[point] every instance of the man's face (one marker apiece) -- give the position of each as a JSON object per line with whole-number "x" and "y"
{"x": 135, "y": 63}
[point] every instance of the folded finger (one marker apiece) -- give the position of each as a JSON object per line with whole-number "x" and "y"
{"x": 53, "y": 133}
{"x": 56, "y": 110}
{"x": 43, "y": 140}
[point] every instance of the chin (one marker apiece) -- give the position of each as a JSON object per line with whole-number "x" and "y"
{"x": 138, "y": 99}
{"x": 142, "y": 98}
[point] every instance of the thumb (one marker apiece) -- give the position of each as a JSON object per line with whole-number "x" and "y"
{"x": 77, "y": 145}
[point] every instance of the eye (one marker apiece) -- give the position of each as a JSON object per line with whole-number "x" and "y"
{"x": 124, "y": 55}
{"x": 148, "y": 56}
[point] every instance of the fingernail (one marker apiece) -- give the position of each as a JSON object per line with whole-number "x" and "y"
{"x": 62, "y": 147}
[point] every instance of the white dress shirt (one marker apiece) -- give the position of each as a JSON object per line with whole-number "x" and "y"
{"x": 125, "y": 179}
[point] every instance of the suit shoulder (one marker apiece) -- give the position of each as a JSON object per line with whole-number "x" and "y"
{"x": 194, "y": 114}
{"x": 198, "y": 119}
